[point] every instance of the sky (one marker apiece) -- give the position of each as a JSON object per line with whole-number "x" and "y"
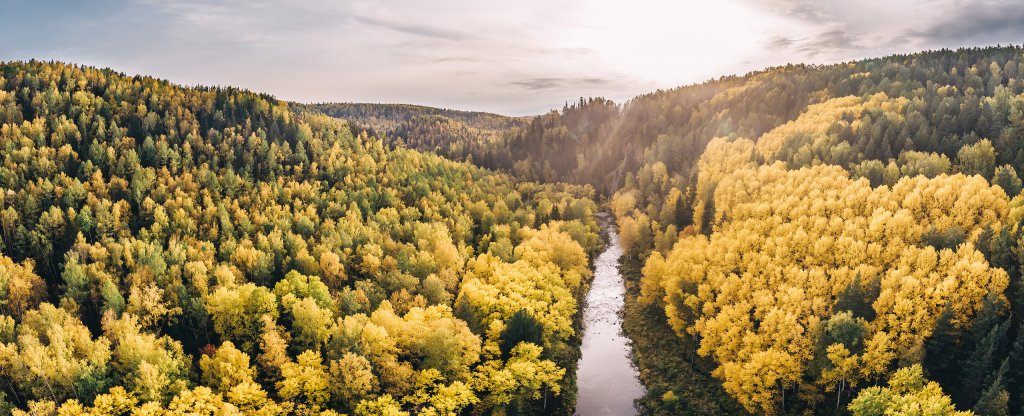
{"x": 518, "y": 57}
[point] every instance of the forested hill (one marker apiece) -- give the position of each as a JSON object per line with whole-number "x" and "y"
{"x": 835, "y": 239}
{"x": 458, "y": 135}
{"x": 173, "y": 250}
{"x": 541, "y": 148}
{"x": 598, "y": 142}
{"x": 388, "y": 117}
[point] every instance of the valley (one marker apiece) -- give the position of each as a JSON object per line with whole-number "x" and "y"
{"x": 803, "y": 239}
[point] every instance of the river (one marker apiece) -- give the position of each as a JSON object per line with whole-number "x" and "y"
{"x": 606, "y": 379}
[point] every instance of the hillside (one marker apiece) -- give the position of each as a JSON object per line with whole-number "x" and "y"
{"x": 173, "y": 250}
{"x": 673, "y": 126}
{"x": 816, "y": 231}
{"x": 389, "y": 117}
{"x": 457, "y": 135}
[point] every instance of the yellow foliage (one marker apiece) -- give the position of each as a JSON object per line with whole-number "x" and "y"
{"x": 495, "y": 290}
{"x": 523, "y": 375}
{"x": 550, "y": 245}
{"x": 720, "y": 158}
{"x": 908, "y": 393}
{"x": 20, "y": 288}
{"x": 305, "y": 381}
{"x": 818, "y": 118}
{"x": 226, "y": 368}
{"x": 787, "y": 243}
{"x": 201, "y": 401}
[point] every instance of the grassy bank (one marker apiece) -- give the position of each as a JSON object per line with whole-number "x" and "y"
{"x": 676, "y": 378}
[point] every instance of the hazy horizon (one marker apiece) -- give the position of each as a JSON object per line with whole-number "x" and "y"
{"x": 520, "y": 59}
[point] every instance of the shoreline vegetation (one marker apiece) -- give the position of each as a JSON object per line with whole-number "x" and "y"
{"x": 677, "y": 380}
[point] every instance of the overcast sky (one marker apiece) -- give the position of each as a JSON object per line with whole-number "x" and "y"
{"x": 513, "y": 57}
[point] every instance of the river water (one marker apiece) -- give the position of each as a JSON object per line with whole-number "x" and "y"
{"x": 606, "y": 379}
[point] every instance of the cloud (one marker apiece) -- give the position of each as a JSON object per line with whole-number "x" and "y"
{"x": 455, "y": 60}
{"x": 412, "y": 29}
{"x": 827, "y": 43}
{"x": 780, "y": 42}
{"x": 810, "y": 10}
{"x": 889, "y": 25}
{"x": 982, "y": 23}
{"x": 547, "y": 83}
{"x": 836, "y": 30}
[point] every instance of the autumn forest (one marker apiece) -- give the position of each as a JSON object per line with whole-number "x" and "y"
{"x": 838, "y": 239}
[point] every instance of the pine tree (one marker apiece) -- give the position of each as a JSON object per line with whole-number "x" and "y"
{"x": 994, "y": 400}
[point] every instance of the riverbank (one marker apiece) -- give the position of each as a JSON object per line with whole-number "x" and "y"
{"x": 678, "y": 381}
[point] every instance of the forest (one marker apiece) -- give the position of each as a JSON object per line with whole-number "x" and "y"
{"x": 806, "y": 239}
{"x": 820, "y": 239}
{"x": 173, "y": 250}
{"x": 862, "y": 255}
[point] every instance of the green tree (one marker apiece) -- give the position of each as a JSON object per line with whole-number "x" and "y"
{"x": 977, "y": 159}
{"x": 236, "y": 313}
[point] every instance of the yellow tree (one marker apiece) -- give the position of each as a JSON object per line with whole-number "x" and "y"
{"x": 20, "y": 288}
{"x": 305, "y": 382}
{"x": 907, "y": 394}
{"x": 226, "y": 368}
